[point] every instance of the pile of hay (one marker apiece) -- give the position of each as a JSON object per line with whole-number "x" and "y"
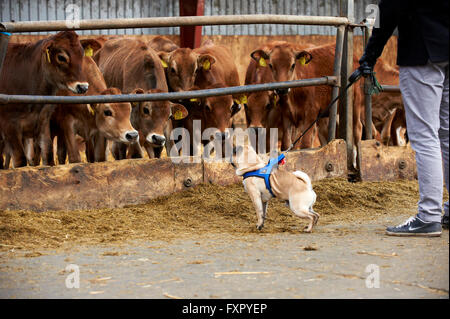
{"x": 205, "y": 209}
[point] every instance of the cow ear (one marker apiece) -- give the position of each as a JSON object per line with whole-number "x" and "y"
{"x": 47, "y": 51}
{"x": 179, "y": 112}
{"x": 136, "y": 91}
{"x": 164, "y": 56}
{"x": 206, "y": 61}
{"x": 90, "y": 46}
{"x": 92, "y": 108}
{"x": 261, "y": 57}
{"x": 303, "y": 57}
{"x": 273, "y": 97}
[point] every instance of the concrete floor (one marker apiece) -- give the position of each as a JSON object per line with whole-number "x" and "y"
{"x": 336, "y": 261}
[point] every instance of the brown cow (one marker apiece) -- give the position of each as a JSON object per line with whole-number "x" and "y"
{"x": 213, "y": 112}
{"x": 202, "y": 67}
{"x": 39, "y": 68}
{"x": 109, "y": 120}
{"x": 299, "y": 106}
{"x": 150, "y": 119}
{"x": 130, "y": 64}
{"x": 263, "y": 109}
{"x": 209, "y": 66}
{"x": 161, "y": 43}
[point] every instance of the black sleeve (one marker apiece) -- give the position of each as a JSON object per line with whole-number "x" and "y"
{"x": 388, "y": 18}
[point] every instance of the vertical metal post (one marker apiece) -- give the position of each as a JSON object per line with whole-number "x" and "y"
{"x": 346, "y": 103}
{"x": 191, "y": 36}
{"x": 4, "y": 39}
{"x": 367, "y": 95}
{"x": 335, "y": 91}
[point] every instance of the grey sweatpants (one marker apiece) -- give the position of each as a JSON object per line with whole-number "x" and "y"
{"x": 425, "y": 96}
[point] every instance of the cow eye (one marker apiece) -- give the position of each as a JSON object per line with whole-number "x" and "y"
{"x": 271, "y": 66}
{"x": 293, "y": 66}
{"x": 107, "y": 113}
{"x": 146, "y": 110}
{"x": 173, "y": 70}
{"x": 268, "y": 106}
{"x": 62, "y": 58}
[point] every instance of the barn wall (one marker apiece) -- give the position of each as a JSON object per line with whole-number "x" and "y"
{"x": 32, "y": 10}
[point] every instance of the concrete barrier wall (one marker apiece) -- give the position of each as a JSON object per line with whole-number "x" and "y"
{"x": 130, "y": 182}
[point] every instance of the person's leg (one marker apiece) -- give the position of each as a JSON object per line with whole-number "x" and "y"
{"x": 444, "y": 137}
{"x": 422, "y": 88}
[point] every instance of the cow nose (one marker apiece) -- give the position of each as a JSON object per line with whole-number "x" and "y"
{"x": 282, "y": 91}
{"x": 82, "y": 88}
{"x": 158, "y": 139}
{"x": 131, "y": 136}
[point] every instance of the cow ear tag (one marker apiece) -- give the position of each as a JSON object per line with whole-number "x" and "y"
{"x": 193, "y": 100}
{"x": 88, "y": 51}
{"x": 206, "y": 65}
{"x": 178, "y": 115}
{"x": 262, "y": 62}
{"x": 48, "y": 55}
{"x": 91, "y": 109}
{"x": 302, "y": 60}
{"x": 164, "y": 64}
{"x": 275, "y": 100}
{"x": 244, "y": 99}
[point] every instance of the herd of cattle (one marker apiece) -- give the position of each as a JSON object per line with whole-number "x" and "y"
{"x": 63, "y": 64}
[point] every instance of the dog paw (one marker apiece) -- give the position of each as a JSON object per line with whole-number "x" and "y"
{"x": 307, "y": 229}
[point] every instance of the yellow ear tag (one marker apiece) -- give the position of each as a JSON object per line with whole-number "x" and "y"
{"x": 164, "y": 64}
{"x": 194, "y": 100}
{"x": 48, "y": 55}
{"x": 243, "y": 99}
{"x": 237, "y": 101}
{"x": 178, "y": 115}
{"x": 275, "y": 100}
{"x": 91, "y": 109}
{"x": 206, "y": 65}
{"x": 262, "y": 62}
{"x": 89, "y": 51}
{"x": 302, "y": 60}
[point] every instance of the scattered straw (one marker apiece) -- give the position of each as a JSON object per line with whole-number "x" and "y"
{"x": 205, "y": 209}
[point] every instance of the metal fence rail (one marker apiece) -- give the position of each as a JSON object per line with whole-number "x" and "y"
{"x": 37, "y": 99}
{"x": 130, "y": 23}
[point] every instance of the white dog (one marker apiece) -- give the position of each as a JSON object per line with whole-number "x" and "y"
{"x": 263, "y": 181}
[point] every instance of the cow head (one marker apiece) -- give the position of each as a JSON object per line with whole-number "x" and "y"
{"x": 182, "y": 67}
{"x": 113, "y": 119}
{"x": 151, "y": 117}
{"x": 282, "y": 61}
{"x": 258, "y": 107}
{"x": 62, "y": 60}
{"x": 216, "y": 111}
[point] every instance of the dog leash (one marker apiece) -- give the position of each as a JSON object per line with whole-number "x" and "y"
{"x": 374, "y": 88}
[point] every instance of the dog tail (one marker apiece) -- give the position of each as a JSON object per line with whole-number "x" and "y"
{"x": 304, "y": 177}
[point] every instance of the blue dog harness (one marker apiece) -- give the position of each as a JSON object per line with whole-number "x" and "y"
{"x": 265, "y": 171}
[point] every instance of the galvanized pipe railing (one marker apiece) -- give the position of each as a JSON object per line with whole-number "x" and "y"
{"x": 127, "y": 23}
{"x": 391, "y": 88}
{"x": 37, "y": 99}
